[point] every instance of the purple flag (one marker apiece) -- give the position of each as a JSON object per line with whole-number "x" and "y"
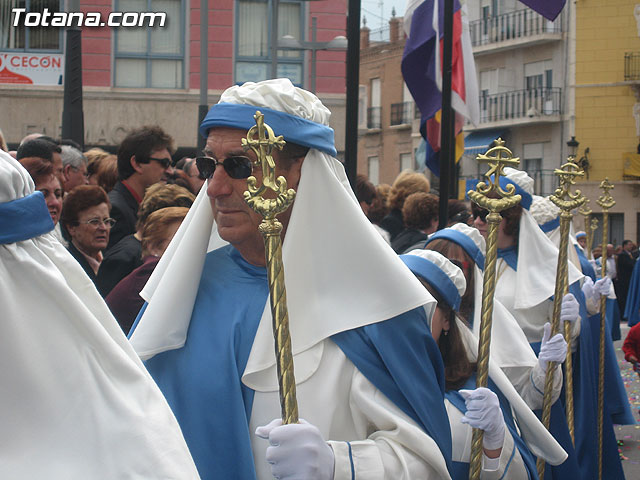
{"x": 549, "y": 9}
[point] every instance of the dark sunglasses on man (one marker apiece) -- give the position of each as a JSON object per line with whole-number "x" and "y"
{"x": 236, "y": 166}
{"x": 165, "y": 162}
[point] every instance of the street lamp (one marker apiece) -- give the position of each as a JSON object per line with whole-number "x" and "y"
{"x": 289, "y": 42}
{"x": 573, "y": 146}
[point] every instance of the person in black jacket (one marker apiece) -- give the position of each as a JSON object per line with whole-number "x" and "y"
{"x": 405, "y": 184}
{"x": 625, "y": 264}
{"x": 144, "y": 158}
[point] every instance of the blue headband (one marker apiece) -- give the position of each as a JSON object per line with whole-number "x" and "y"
{"x": 293, "y": 129}
{"x": 463, "y": 240}
{"x": 24, "y": 218}
{"x": 526, "y": 197}
{"x": 550, "y": 225}
{"x": 432, "y": 274}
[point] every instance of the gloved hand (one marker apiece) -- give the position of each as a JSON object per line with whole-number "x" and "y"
{"x": 297, "y": 451}
{"x": 484, "y": 412}
{"x": 551, "y": 349}
{"x": 570, "y": 309}
{"x": 589, "y": 291}
{"x": 603, "y": 286}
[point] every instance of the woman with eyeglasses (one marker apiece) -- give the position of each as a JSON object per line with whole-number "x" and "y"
{"x": 85, "y": 215}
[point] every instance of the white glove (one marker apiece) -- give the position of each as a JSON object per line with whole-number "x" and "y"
{"x": 570, "y": 309}
{"x": 297, "y": 451}
{"x": 484, "y": 412}
{"x": 602, "y": 286}
{"x": 589, "y": 291}
{"x": 551, "y": 349}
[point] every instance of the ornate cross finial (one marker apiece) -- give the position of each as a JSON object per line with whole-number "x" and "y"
{"x": 497, "y": 157}
{"x": 584, "y": 209}
{"x": 605, "y": 200}
{"x": 594, "y": 224}
{"x": 562, "y": 197}
{"x": 262, "y": 140}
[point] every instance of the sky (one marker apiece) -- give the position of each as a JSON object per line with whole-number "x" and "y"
{"x": 378, "y": 12}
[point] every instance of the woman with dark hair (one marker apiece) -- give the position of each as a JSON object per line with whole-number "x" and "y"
{"x": 509, "y": 348}
{"x": 45, "y": 181}
{"x": 85, "y": 215}
{"x": 505, "y": 453}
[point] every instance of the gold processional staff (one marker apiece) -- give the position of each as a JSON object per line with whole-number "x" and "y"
{"x": 261, "y": 139}
{"x": 606, "y": 202}
{"x": 590, "y": 226}
{"x": 566, "y": 202}
{"x": 484, "y": 196}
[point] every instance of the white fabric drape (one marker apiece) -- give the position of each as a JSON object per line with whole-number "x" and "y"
{"x": 76, "y": 401}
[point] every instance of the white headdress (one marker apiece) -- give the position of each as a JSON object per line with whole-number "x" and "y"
{"x": 537, "y": 255}
{"x": 77, "y": 402}
{"x": 332, "y": 254}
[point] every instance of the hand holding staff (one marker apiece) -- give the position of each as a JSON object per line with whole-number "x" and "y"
{"x": 261, "y": 139}
{"x": 506, "y": 199}
{"x": 566, "y": 201}
{"x": 605, "y": 201}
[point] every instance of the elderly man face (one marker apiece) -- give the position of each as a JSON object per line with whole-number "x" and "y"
{"x": 237, "y": 223}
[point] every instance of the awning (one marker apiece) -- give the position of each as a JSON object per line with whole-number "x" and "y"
{"x": 479, "y": 142}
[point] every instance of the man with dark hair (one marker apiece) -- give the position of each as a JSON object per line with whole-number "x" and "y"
{"x": 625, "y": 264}
{"x": 420, "y": 216}
{"x": 45, "y": 148}
{"x": 144, "y": 158}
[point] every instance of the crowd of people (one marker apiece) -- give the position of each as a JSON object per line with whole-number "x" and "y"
{"x": 385, "y": 313}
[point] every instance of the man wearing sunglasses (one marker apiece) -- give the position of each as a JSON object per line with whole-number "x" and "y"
{"x": 367, "y": 371}
{"x": 144, "y": 158}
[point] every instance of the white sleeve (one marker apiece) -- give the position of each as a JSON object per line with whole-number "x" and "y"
{"x": 529, "y": 383}
{"x": 394, "y": 447}
{"x": 509, "y": 465}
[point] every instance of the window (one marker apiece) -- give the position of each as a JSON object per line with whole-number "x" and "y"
{"x": 362, "y": 106}
{"x": 253, "y": 48}
{"x": 406, "y": 163}
{"x": 29, "y": 38}
{"x": 373, "y": 170}
{"x": 616, "y": 229}
{"x": 538, "y": 75}
{"x": 151, "y": 56}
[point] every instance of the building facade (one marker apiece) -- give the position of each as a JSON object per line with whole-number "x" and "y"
{"x": 522, "y": 61}
{"x": 134, "y": 76}
{"x": 607, "y": 110}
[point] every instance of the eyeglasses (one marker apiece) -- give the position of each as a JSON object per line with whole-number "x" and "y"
{"x": 96, "y": 222}
{"x": 481, "y": 213}
{"x": 165, "y": 162}
{"x": 237, "y": 166}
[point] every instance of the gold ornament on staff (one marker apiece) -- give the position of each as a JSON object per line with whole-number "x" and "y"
{"x": 586, "y": 212}
{"x": 592, "y": 229}
{"x": 566, "y": 202}
{"x": 606, "y": 202}
{"x": 497, "y": 157}
{"x": 261, "y": 139}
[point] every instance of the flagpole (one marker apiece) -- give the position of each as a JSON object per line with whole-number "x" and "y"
{"x": 446, "y": 120}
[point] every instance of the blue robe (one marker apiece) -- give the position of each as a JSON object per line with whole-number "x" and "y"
{"x": 583, "y": 459}
{"x": 461, "y": 469}
{"x": 632, "y": 309}
{"x": 202, "y": 380}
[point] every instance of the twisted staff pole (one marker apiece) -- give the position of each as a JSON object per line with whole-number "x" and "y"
{"x": 586, "y": 212}
{"x": 606, "y": 202}
{"x": 506, "y": 199}
{"x": 261, "y": 139}
{"x": 566, "y": 201}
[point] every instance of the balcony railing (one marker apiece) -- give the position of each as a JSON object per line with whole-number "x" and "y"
{"x": 401, "y": 113}
{"x": 374, "y": 117}
{"x": 533, "y": 103}
{"x": 508, "y": 26}
{"x": 632, "y": 66}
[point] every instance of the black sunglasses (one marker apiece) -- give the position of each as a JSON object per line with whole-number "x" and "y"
{"x": 165, "y": 162}
{"x": 481, "y": 213}
{"x": 237, "y": 166}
